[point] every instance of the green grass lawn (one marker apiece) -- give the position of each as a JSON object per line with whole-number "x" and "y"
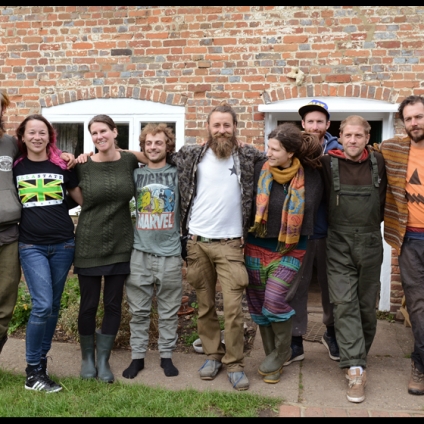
{"x": 93, "y": 399}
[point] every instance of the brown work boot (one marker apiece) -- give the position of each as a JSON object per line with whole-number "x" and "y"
{"x": 357, "y": 383}
{"x": 416, "y": 384}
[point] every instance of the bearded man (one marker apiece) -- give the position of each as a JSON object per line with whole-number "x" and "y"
{"x": 216, "y": 188}
{"x": 404, "y": 222}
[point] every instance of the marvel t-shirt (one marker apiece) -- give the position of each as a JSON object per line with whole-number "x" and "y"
{"x": 41, "y": 189}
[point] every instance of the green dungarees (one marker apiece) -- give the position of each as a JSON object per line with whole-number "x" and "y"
{"x": 354, "y": 259}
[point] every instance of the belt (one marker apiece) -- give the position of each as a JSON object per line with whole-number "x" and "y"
{"x": 200, "y": 239}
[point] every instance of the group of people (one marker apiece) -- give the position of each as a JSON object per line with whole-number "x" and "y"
{"x": 254, "y": 222}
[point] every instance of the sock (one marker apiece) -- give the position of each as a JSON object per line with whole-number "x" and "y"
{"x": 357, "y": 368}
{"x": 132, "y": 371}
{"x": 297, "y": 341}
{"x": 331, "y": 332}
{"x": 168, "y": 367}
{"x": 31, "y": 368}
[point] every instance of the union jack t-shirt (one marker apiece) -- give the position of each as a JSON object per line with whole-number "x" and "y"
{"x": 42, "y": 191}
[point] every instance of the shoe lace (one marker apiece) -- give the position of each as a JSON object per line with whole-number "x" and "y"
{"x": 416, "y": 375}
{"x": 353, "y": 381}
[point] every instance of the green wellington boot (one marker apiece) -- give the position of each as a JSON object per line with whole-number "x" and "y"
{"x": 88, "y": 364}
{"x": 104, "y": 345}
{"x": 268, "y": 341}
{"x": 273, "y": 363}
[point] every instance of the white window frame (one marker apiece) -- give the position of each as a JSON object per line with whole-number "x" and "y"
{"x": 340, "y": 108}
{"x": 122, "y": 111}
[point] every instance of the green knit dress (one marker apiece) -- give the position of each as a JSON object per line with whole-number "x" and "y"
{"x": 104, "y": 234}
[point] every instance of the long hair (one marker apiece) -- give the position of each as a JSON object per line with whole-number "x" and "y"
{"x": 5, "y": 102}
{"x": 53, "y": 153}
{"x": 305, "y": 146}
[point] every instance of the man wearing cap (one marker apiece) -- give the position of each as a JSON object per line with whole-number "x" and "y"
{"x": 316, "y": 120}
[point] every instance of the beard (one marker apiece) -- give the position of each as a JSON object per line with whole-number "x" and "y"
{"x": 418, "y": 137}
{"x": 158, "y": 159}
{"x": 222, "y": 145}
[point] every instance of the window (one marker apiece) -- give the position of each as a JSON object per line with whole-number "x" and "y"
{"x": 71, "y": 121}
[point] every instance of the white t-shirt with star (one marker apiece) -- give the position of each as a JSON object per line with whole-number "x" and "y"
{"x": 217, "y": 211}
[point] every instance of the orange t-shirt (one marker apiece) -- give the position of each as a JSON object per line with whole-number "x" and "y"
{"x": 415, "y": 188}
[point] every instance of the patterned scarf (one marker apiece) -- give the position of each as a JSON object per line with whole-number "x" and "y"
{"x": 294, "y": 204}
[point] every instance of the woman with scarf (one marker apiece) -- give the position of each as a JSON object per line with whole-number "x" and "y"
{"x": 288, "y": 190}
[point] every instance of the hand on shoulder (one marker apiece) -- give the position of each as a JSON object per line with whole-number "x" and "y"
{"x": 84, "y": 157}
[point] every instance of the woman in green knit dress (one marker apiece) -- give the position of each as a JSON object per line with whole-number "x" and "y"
{"x": 104, "y": 241}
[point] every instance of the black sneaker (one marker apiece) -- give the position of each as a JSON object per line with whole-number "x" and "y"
{"x": 43, "y": 364}
{"x": 38, "y": 381}
{"x": 297, "y": 355}
{"x": 331, "y": 344}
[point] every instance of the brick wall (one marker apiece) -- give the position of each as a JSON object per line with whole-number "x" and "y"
{"x": 198, "y": 56}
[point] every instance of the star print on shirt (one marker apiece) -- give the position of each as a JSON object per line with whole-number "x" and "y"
{"x": 233, "y": 171}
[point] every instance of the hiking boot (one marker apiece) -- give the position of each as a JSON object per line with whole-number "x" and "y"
{"x": 239, "y": 381}
{"x": 297, "y": 355}
{"x": 331, "y": 344}
{"x": 210, "y": 369}
{"x": 416, "y": 384}
{"x": 357, "y": 384}
{"x": 38, "y": 381}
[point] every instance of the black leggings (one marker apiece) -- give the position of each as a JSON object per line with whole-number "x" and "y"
{"x": 90, "y": 288}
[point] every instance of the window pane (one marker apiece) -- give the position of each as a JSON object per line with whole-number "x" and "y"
{"x": 123, "y": 138}
{"x": 70, "y": 137}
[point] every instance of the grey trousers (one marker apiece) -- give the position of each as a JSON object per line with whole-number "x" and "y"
{"x": 10, "y": 274}
{"x": 411, "y": 263}
{"x": 316, "y": 256}
{"x": 354, "y": 267}
{"x": 148, "y": 271}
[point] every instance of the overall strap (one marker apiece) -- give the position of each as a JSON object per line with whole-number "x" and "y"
{"x": 374, "y": 169}
{"x": 336, "y": 173}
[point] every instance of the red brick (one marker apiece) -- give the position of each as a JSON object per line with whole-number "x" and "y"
{"x": 358, "y": 413}
{"x": 314, "y": 412}
{"x": 380, "y": 414}
{"x": 336, "y": 413}
{"x": 290, "y": 412}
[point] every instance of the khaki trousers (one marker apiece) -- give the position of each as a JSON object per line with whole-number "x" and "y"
{"x": 10, "y": 274}
{"x": 207, "y": 263}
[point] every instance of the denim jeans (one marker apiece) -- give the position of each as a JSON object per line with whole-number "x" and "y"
{"x": 46, "y": 270}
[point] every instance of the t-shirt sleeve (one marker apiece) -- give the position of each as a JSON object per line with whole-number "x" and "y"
{"x": 72, "y": 179}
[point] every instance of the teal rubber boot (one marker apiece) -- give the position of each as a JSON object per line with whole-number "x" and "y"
{"x": 104, "y": 345}
{"x": 88, "y": 364}
{"x": 274, "y": 362}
